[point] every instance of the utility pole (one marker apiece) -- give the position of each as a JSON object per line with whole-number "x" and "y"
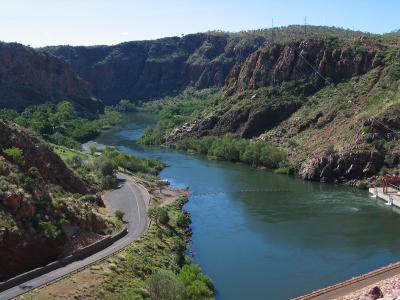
{"x": 354, "y": 34}
{"x": 305, "y": 25}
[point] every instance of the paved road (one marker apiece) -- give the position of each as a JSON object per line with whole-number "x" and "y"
{"x": 132, "y": 199}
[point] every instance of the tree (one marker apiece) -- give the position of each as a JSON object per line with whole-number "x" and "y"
{"x": 183, "y": 220}
{"x": 163, "y": 217}
{"x": 197, "y": 285}
{"x": 164, "y": 285}
{"x": 92, "y": 149}
{"x": 107, "y": 168}
{"x": 152, "y": 213}
{"x": 198, "y": 290}
{"x": 160, "y": 184}
{"x": 126, "y": 106}
{"x": 120, "y": 215}
{"x": 109, "y": 182}
{"x": 158, "y": 215}
{"x": 178, "y": 246}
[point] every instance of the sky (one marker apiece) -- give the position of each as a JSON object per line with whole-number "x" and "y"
{"x": 91, "y": 22}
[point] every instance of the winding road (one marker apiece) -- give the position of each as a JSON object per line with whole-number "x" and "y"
{"x": 133, "y": 200}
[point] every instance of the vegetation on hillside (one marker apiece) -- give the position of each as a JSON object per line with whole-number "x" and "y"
{"x": 284, "y": 34}
{"x": 34, "y": 211}
{"x": 174, "y": 111}
{"x": 347, "y": 116}
{"x": 52, "y": 205}
{"x": 154, "y": 267}
{"x": 101, "y": 170}
{"x": 193, "y": 105}
{"x": 255, "y": 153}
{"x": 60, "y": 123}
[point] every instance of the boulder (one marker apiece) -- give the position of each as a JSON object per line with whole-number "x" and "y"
{"x": 337, "y": 167}
{"x": 373, "y": 294}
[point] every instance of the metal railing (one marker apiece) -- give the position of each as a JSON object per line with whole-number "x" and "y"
{"x": 395, "y": 187}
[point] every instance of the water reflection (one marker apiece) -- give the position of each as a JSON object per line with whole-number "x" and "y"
{"x": 266, "y": 236}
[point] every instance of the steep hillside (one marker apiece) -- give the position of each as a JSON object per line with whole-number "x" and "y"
{"x": 150, "y": 69}
{"x": 29, "y": 77}
{"x": 275, "y": 81}
{"x": 40, "y": 197}
{"x": 331, "y": 104}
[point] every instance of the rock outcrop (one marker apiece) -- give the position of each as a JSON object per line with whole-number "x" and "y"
{"x": 29, "y": 76}
{"x": 38, "y": 155}
{"x": 246, "y": 122}
{"x": 382, "y": 128}
{"x": 304, "y": 63}
{"x": 38, "y": 194}
{"x": 148, "y": 69}
{"x": 373, "y": 294}
{"x": 339, "y": 167}
{"x": 311, "y": 61}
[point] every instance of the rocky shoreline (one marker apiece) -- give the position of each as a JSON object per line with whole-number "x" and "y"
{"x": 384, "y": 289}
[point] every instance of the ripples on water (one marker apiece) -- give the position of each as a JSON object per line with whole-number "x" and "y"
{"x": 266, "y": 236}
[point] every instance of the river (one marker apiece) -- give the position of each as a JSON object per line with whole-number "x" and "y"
{"x": 259, "y": 235}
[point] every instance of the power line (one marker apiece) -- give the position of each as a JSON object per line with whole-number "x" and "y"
{"x": 318, "y": 73}
{"x": 272, "y": 31}
{"x": 343, "y": 95}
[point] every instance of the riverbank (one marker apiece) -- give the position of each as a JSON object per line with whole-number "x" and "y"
{"x": 390, "y": 289}
{"x": 127, "y": 274}
{"x": 283, "y": 223}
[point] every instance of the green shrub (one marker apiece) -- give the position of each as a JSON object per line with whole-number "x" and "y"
{"x": 164, "y": 285}
{"x": 163, "y": 217}
{"x": 329, "y": 149}
{"x": 287, "y": 170}
{"x": 34, "y": 172}
{"x": 197, "y": 285}
{"x": 109, "y": 182}
{"x": 258, "y": 153}
{"x": 43, "y": 146}
{"x": 27, "y": 183}
{"x": 130, "y": 162}
{"x": 50, "y": 230}
{"x": 3, "y": 168}
{"x": 88, "y": 198}
{"x": 120, "y": 215}
{"x": 15, "y": 154}
{"x": 178, "y": 246}
{"x": 183, "y": 220}
{"x": 106, "y": 167}
{"x": 182, "y": 200}
{"x": 152, "y": 213}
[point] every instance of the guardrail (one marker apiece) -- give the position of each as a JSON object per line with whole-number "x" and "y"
{"x": 78, "y": 255}
{"x": 354, "y": 280}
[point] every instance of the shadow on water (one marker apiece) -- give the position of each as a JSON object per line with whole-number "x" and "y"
{"x": 260, "y": 235}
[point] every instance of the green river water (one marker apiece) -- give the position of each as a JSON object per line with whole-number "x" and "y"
{"x": 259, "y": 235}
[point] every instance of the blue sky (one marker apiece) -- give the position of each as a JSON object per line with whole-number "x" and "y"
{"x": 90, "y": 22}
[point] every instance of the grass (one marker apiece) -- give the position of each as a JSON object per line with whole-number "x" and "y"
{"x": 67, "y": 153}
{"x": 125, "y": 275}
{"x": 332, "y": 116}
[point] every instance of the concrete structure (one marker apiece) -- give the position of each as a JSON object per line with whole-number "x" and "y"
{"x": 392, "y": 197}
